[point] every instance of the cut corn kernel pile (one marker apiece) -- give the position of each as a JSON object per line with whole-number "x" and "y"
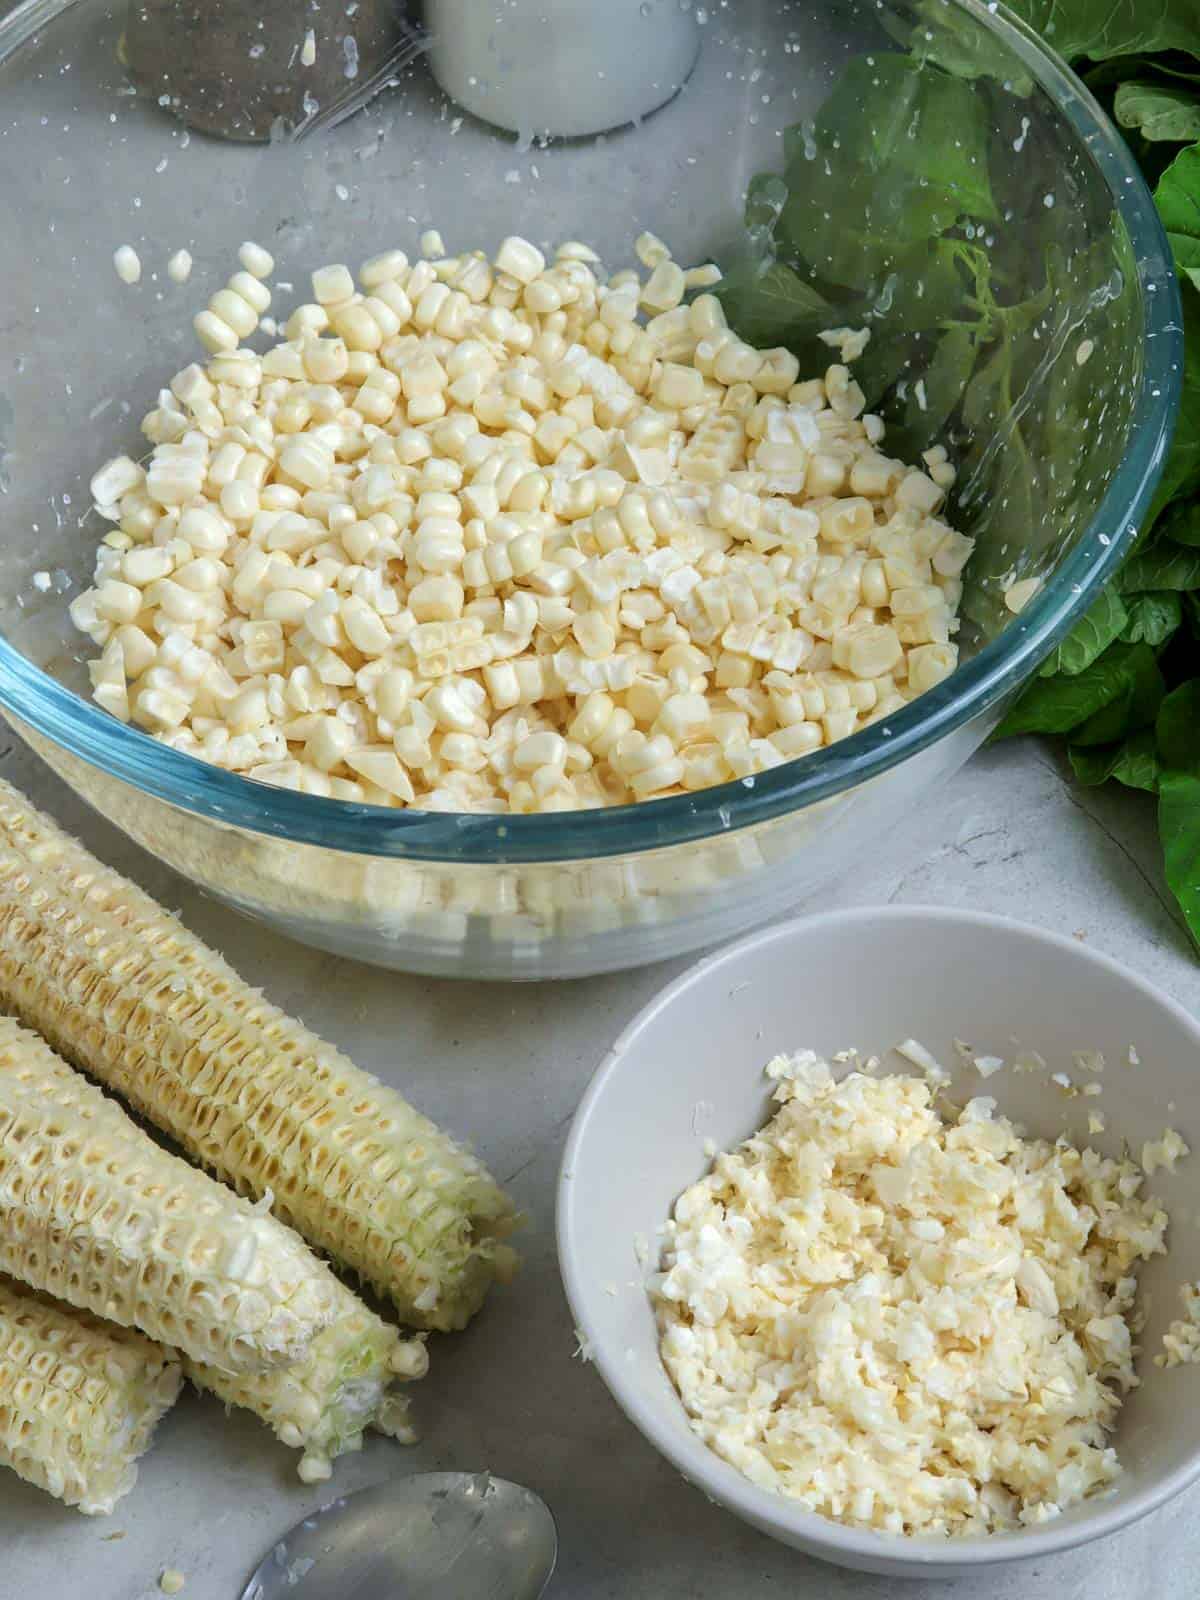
{"x": 94, "y": 1212}
{"x": 79, "y": 1399}
{"x": 903, "y": 1322}
{"x": 123, "y": 990}
{"x": 476, "y": 538}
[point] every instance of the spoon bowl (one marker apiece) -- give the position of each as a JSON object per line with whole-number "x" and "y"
{"x": 435, "y": 1536}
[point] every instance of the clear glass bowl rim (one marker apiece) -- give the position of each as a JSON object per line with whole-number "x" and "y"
{"x": 37, "y": 700}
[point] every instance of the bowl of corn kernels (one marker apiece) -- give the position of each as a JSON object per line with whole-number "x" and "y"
{"x": 903, "y": 1272}
{"x": 505, "y": 555}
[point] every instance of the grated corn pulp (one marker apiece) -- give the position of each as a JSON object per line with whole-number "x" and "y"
{"x": 904, "y": 1322}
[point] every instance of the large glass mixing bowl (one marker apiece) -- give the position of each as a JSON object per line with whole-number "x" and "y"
{"x": 921, "y": 167}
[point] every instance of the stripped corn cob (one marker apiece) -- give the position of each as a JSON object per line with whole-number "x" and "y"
{"x": 95, "y": 1213}
{"x": 122, "y": 989}
{"x": 344, "y": 1385}
{"x": 79, "y": 1399}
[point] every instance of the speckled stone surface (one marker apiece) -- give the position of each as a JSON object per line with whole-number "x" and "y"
{"x": 505, "y": 1067}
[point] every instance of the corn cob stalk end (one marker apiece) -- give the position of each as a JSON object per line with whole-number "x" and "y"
{"x": 346, "y": 1384}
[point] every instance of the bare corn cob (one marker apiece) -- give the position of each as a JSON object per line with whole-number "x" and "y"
{"x": 95, "y": 1213}
{"x": 79, "y": 1399}
{"x": 345, "y": 1384}
{"x": 121, "y": 988}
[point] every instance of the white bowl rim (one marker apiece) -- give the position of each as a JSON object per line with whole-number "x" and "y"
{"x": 701, "y": 1466}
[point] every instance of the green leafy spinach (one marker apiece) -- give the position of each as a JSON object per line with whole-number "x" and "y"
{"x": 1158, "y": 111}
{"x": 899, "y": 207}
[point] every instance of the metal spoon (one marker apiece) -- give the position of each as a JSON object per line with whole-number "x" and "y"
{"x": 437, "y": 1536}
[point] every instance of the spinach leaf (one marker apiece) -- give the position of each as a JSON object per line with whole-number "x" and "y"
{"x": 863, "y": 187}
{"x": 1181, "y": 474}
{"x": 1177, "y": 196}
{"x": 1125, "y": 677}
{"x": 1152, "y": 617}
{"x": 934, "y": 316}
{"x": 1158, "y": 111}
{"x": 956, "y": 41}
{"x": 1163, "y": 564}
{"x": 1182, "y": 523}
{"x": 934, "y": 397}
{"x": 1113, "y": 27}
{"x": 1134, "y": 762}
{"x": 934, "y": 284}
{"x": 769, "y": 304}
{"x": 1179, "y": 828}
{"x": 1177, "y": 728}
{"x": 1135, "y": 703}
{"x": 1171, "y": 64}
{"x": 1178, "y": 64}
{"x": 996, "y": 470}
{"x": 1090, "y": 636}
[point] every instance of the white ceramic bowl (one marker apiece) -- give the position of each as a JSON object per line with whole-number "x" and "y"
{"x": 689, "y": 1068}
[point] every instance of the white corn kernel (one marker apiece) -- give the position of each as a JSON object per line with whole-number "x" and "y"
{"x": 665, "y": 288}
{"x": 307, "y": 462}
{"x": 117, "y": 602}
{"x": 305, "y": 320}
{"x": 127, "y": 263}
{"x": 257, "y": 261}
{"x": 393, "y": 692}
{"x": 330, "y": 742}
{"x": 179, "y": 266}
{"x": 248, "y": 288}
{"x": 365, "y": 628}
{"x": 114, "y": 479}
{"x": 380, "y": 766}
{"x": 248, "y": 711}
{"x": 520, "y": 259}
{"x": 918, "y": 492}
{"x": 213, "y": 332}
{"x": 798, "y": 739}
{"x": 705, "y": 277}
{"x": 438, "y": 598}
{"x": 929, "y": 664}
{"x": 144, "y": 563}
{"x": 333, "y": 284}
{"x": 383, "y": 268}
{"x": 540, "y": 750}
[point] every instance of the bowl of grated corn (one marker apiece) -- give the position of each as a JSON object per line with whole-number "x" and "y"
{"x": 903, "y": 1273}
{"x": 522, "y": 557}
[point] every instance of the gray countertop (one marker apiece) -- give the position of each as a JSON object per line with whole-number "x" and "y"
{"x": 505, "y": 1067}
